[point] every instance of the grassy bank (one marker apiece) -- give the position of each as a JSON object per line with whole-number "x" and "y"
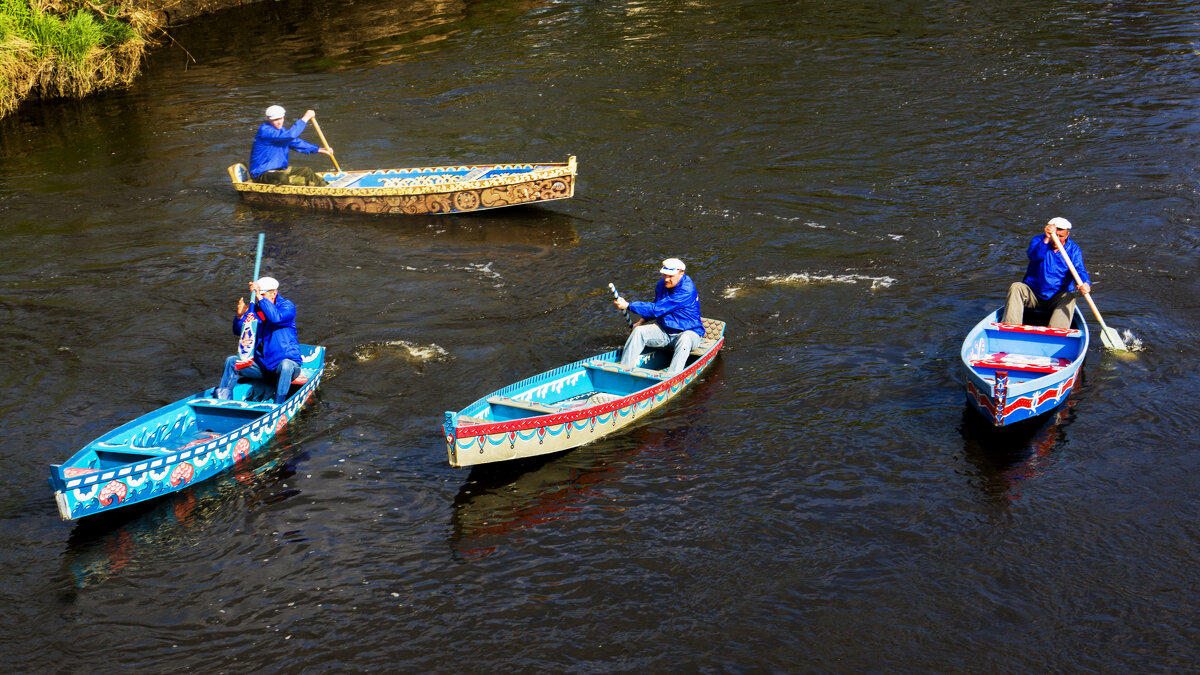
{"x": 68, "y": 48}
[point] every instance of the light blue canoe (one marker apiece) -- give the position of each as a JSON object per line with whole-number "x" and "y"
{"x": 1015, "y": 372}
{"x": 573, "y": 404}
{"x": 180, "y": 444}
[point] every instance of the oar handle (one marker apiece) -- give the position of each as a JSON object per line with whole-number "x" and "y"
{"x": 257, "y": 264}
{"x": 325, "y": 144}
{"x": 1078, "y": 282}
{"x": 624, "y": 311}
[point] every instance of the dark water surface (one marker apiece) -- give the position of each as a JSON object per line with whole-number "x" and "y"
{"x": 852, "y": 185}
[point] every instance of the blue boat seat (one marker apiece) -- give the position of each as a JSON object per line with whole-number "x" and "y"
{"x": 129, "y": 450}
{"x": 261, "y": 406}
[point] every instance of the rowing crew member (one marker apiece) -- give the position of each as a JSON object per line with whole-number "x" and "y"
{"x": 674, "y": 318}
{"x": 1048, "y": 284}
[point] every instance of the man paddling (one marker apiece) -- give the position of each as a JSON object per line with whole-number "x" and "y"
{"x": 269, "y": 154}
{"x": 1048, "y": 284}
{"x": 675, "y": 315}
{"x": 277, "y": 352}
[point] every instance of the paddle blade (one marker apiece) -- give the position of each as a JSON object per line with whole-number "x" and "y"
{"x": 1112, "y": 339}
{"x": 246, "y": 341}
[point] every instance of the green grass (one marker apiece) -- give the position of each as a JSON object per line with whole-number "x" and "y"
{"x": 68, "y": 54}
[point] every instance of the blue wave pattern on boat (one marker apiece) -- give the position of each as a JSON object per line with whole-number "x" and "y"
{"x": 167, "y": 450}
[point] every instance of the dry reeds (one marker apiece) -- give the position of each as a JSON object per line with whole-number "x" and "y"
{"x": 51, "y": 50}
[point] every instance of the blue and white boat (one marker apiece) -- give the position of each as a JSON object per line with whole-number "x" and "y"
{"x": 572, "y": 404}
{"x": 180, "y": 444}
{"x": 1014, "y": 372}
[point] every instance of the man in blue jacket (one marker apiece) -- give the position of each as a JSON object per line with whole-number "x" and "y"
{"x": 277, "y": 351}
{"x": 269, "y": 154}
{"x": 674, "y": 318}
{"x": 1048, "y": 284}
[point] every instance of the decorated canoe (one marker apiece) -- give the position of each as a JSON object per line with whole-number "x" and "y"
{"x": 415, "y": 191}
{"x": 180, "y": 444}
{"x": 1015, "y": 372}
{"x": 572, "y": 404}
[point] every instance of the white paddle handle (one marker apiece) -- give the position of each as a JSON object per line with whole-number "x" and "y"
{"x": 624, "y": 311}
{"x": 1078, "y": 282}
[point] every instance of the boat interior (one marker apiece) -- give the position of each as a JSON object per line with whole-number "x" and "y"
{"x": 1028, "y": 351}
{"x": 194, "y": 422}
{"x": 588, "y": 383}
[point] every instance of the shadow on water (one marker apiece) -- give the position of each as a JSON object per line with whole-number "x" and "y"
{"x": 1007, "y": 457}
{"x": 499, "y": 500}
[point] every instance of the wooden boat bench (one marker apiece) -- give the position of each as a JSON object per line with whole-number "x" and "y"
{"x": 345, "y": 181}
{"x": 467, "y": 420}
{"x": 636, "y": 372}
{"x": 538, "y": 408}
{"x": 1036, "y": 330}
{"x": 1020, "y": 362}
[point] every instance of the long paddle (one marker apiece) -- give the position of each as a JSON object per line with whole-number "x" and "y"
{"x": 250, "y": 322}
{"x": 624, "y": 311}
{"x": 1109, "y": 336}
{"x": 326, "y": 144}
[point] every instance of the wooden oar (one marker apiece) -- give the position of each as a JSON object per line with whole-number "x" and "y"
{"x": 249, "y": 334}
{"x": 624, "y": 311}
{"x": 1109, "y": 336}
{"x": 326, "y": 144}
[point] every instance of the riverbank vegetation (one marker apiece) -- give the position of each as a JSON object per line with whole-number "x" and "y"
{"x": 69, "y": 48}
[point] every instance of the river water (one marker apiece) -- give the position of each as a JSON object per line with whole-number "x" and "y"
{"x": 852, "y": 185}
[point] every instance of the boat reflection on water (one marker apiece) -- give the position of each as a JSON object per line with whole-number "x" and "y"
{"x": 499, "y": 500}
{"x": 533, "y": 226}
{"x": 1007, "y": 457}
{"x": 505, "y": 498}
{"x": 109, "y": 544}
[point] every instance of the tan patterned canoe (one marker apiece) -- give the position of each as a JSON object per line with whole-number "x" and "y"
{"x": 422, "y": 190}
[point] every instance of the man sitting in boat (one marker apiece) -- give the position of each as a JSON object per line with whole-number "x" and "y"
{"x": 1049, "y": 285}
{"x": 277, "y": 349}
{"x": 676, "y": 318}
{"x": 269, "y": 154}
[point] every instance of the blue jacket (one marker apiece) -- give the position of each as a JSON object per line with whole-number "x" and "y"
{"x": 1047, "y": 273}
{"x": 277, "y": 338}
{"x": 675, "y": 310}
{"x": 270, "y": 149}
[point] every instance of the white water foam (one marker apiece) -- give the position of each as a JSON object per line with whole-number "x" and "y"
{"x": 798, "y": 278}
{"x": 421, "y": 353}
{"x": 1132, "y": 342}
